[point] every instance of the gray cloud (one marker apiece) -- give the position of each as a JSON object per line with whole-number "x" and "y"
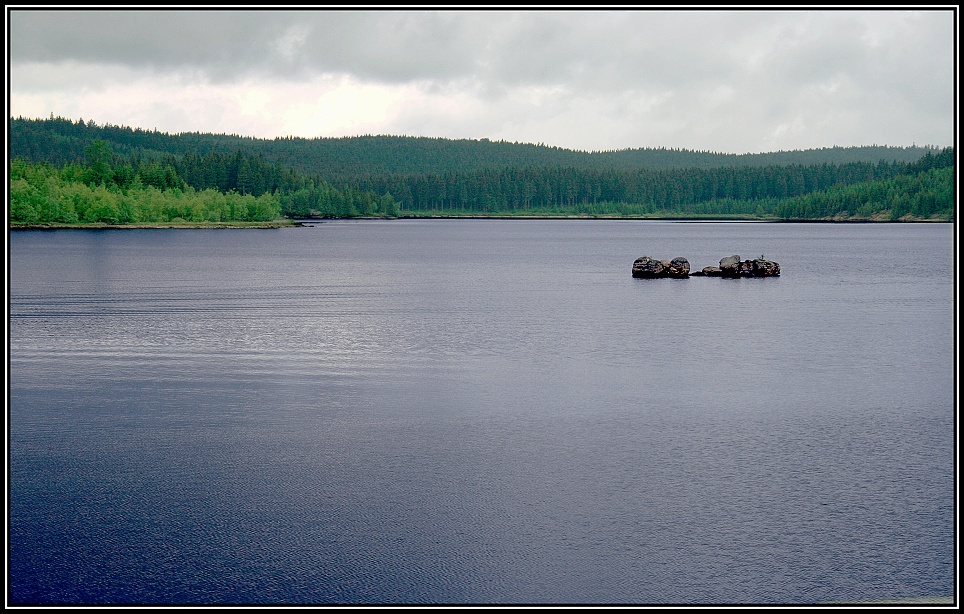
{"x": 514, "y": 47}
{"x": 155, "y": 39}
{"x": 391, "y": 46}
{"x": 753, "y": 76}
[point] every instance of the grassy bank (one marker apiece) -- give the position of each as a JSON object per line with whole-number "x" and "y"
{"x": 103, "y": 226}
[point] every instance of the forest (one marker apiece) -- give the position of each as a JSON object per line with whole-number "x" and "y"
{"x": 64, "y": 171}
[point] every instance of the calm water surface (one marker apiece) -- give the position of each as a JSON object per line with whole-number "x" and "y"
{"x": 480, "y": 412}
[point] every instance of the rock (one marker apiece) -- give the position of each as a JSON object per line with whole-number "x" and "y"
{"x": 732, "y": 266}
{"x": 765, "y": 268}
{"x": 711, "y": 271}
{"x": 649, "y": 268}
{"x": 678, "y": 267}
{"x": 745, "y": 269}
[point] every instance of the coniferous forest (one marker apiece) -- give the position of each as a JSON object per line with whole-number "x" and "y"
{"x": 76, "y": 172}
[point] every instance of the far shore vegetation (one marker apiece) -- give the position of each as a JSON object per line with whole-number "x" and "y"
{"x": 124, "y": 178}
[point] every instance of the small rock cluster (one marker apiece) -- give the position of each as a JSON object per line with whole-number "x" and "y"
{"x": 648, "y": 268}
{"x": 731, "y": 266}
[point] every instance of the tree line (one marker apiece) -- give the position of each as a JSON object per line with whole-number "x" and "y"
{"x": 109, "y": 189}
{"x": 355, "y": 177}
{"x": 60, "y": 140}
{"x": 746, "y": 190}
{"x": 41, "y": 193}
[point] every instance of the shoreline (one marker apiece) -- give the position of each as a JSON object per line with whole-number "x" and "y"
{"x": 307, "y": 222}
{"x": 157, "y": 225}
{"x": 847, "y": 220}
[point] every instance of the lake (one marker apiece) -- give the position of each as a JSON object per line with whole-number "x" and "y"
{"x": 481, "y": 412}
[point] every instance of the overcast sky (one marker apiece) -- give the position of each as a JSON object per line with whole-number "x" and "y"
{"x": 727, "y": 81}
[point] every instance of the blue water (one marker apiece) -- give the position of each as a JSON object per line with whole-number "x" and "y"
{"x": 480, "y": 411}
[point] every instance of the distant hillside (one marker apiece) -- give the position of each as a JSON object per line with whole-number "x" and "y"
{"x": 396, "y": 175}
{"x": 59, "y": 141}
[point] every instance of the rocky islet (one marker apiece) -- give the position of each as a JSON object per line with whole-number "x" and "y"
{"x": 731, "y": 266}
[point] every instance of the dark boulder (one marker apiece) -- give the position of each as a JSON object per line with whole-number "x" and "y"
{"x": 649, "y": 268}
{"x": 765, "y": 268}
{"x": 679, "y": 268}
{"x": 745, "y": 269}
{"x": 732, "y": 266}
